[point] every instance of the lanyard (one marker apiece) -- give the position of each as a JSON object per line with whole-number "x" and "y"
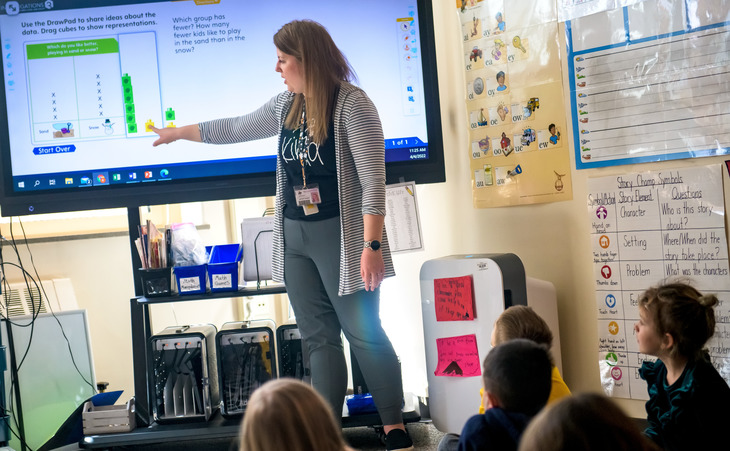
{"x": 302, "y": 144}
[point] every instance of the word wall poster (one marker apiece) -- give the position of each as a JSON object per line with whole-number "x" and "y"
{"x": 649, "y": 82}
{"x": 518, "y": 148}
{"x": 648, "y": 228}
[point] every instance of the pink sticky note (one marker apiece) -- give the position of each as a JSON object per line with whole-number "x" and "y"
{"x": 453, "y": 298}
{"x": 458, "y": 356}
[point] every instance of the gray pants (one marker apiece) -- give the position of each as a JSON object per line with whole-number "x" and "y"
{"x": 312, "y": 274}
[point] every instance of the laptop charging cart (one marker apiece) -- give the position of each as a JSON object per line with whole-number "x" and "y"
{"x": 499, "y": 282}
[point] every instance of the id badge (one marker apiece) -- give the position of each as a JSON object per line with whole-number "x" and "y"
{"x": 307, "y": 196}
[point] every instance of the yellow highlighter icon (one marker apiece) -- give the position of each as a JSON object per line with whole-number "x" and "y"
{"x": 517, "y": 42}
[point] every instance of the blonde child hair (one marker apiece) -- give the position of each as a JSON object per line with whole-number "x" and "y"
{"x": 287, "y": 414}
{"x": 521, "y": 321}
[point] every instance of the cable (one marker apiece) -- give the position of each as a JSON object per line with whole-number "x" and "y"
{"x": 18, "y": 419}
{"x": 50, "y": 309}
{"x": 35, "y": 307}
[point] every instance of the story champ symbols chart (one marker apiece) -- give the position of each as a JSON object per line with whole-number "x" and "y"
{"x": 646, "y": 228}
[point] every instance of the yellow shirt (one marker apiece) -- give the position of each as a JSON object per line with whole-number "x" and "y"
{"x": 559, "y": 389}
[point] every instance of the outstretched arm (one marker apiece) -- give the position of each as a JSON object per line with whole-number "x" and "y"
{"x": 171, "y": 134}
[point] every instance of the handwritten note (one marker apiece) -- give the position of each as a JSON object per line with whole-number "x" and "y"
{"x": 454, "y": 299}
{"x": 649, "y": 227}
{"x": 458, "y": 356}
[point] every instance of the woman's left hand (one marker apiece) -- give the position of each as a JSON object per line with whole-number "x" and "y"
{"x": 372, "y": 269}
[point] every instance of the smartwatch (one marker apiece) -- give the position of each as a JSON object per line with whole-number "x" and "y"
{"x": 374, "y": 245}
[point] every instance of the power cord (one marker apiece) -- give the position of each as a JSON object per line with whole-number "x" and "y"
{"x": 35, "y": 311}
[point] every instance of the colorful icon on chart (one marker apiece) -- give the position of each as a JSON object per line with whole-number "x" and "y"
{"x": 616, "y": 373}
{"x": 611, "y": 359}
{"x": 601, "y": 212}
{"x": 610, "y": 301}
{"x": 613, "y": 328}
{"x": 604, "y": 242}
{"x": 606, "y": 272}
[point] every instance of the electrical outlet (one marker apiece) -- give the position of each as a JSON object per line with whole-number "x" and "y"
{"x": 259, "y": 307}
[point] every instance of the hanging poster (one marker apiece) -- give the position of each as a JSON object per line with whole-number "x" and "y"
{"x": 649, "y": 82}
{"x": 646, "y": 228}
{"x": 402, "y": 221}
{"x": 514, "y": 98}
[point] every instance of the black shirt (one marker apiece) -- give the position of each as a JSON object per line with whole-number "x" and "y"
{"x": 320, "y": 168}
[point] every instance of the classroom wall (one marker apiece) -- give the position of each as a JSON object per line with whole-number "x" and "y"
{"x": 552, "y": 240}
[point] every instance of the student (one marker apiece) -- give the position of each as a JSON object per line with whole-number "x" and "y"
{"x": 587, "y": 421}
{"x": 688, "y": 399}
{"x": 288, "y": 414}
{"x": 516, "y": 379}
{"x": 521, "y": 321}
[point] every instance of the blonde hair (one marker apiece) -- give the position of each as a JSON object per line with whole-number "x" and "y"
{"x": 587, "y": 421}
{"x": 287, "y": 414}
{"x": 520, "y": 321}
{"x": 683, "y": 312}
{"x": 324, "y": 66}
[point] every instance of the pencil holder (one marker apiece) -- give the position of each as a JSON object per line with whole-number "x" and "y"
{"x": 156, "y": 282}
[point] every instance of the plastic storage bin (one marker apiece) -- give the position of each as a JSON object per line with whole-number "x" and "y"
{"x": 183, "y": 373}
{"x": 223, "y": 267}
{"x": 108, "y": 419}
{"x": 245, "y": 361}
{"x": 156, "y": 282}
{"x": 190, "y": 279}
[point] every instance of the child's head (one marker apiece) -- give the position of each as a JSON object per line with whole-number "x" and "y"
{"x": 517, "y": 376}
{"x": 584, "y": 421}
{"x": 551, "y": 129}
{"x": 289, "y": 414}
{"x": 520, "y": 321}
{"x": 676, "y": 320}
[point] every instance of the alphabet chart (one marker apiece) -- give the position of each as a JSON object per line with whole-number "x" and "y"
{"x": 650, "y": 82}
{"x": 518, "y": 148}
{"x": 646, "y": 228}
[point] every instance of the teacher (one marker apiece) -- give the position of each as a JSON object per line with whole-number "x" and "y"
{"x": 330, "y": 247}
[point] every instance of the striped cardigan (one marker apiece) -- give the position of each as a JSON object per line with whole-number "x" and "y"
{"x": 360, "y": 161}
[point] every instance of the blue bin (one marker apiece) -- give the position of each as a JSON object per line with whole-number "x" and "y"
{"x": 190, "y": 279}
{"x": 223, "y": 267}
